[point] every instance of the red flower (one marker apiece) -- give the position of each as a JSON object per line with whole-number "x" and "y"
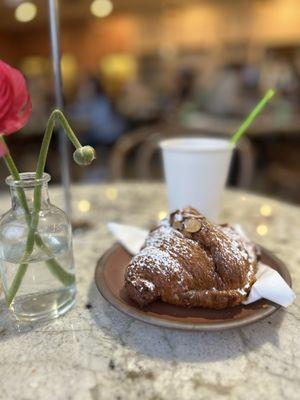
{"x": 15, "y": 104}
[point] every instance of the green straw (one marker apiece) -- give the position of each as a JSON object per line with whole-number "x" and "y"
{"x": 254, "y": 113}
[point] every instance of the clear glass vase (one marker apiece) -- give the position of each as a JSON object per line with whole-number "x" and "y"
{"x": 36, "y": 256}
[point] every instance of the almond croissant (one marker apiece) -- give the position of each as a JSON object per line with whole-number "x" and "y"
{"x": 188, "y": 261}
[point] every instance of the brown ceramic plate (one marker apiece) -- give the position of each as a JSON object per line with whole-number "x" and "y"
{"x": 109, "y": 277}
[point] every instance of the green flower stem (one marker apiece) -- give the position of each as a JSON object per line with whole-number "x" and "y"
{"x": 65, "y": 277}
{"x": 11, "y": 166}
{"x": 43, "y": 157}
{"x": 33, "y": 236}
{"x": 12, "y": 291}
{"x": 31, "y": 239}
{"x": 52, "y": 264}
{"x": 46, "y": 142}
{"x": 22, "y": 198}
{"x": 56, "y": 269}
{"x": 16, "y": 283}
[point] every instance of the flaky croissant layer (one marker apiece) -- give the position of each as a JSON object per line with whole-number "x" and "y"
{"x": 189, "y": 262}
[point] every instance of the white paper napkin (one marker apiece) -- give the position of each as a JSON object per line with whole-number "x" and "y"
{"x": 130, "y": 237}
{"x": 269, "y": 284}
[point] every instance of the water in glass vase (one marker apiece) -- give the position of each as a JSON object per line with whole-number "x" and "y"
{"x": 41, "y": 294}
{"x": 36, "y": 256}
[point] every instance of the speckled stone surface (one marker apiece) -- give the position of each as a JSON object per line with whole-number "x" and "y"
{"x": 95, "y": 352}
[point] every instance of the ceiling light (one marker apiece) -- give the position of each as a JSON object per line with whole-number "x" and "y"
{"x": 25, "y": 12}
{"x": 101, "y": 8}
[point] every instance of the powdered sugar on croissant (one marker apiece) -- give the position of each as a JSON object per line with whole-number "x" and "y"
{"x": 188, "y": 261}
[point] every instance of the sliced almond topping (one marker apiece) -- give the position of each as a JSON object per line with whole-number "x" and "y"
{"x": 192, "y": 225}
{"x": 177, "y": 225}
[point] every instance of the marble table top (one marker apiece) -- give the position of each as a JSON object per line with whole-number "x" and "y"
{"x": 95, "y": 352}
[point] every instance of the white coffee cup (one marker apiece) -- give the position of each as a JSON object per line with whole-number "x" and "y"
{"x": 196, "y": 170}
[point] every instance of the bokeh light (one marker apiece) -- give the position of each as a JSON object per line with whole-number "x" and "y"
{"x": 25, "y": 12}
{"x": 266, "y": 210}
{"x": 162, "y": 214}
{"x": 84, "y": 206}
{"x": 101, "y": 8}
{"x": 111, "y": 193}
{"x": 262, "y": 229}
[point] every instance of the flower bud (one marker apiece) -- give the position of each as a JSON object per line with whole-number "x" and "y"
{"x": 84, "y": 155}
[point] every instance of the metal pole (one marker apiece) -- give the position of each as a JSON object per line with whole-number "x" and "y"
{"x": 59, "y": 102}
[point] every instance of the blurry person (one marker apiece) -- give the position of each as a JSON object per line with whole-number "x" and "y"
{"x": 138, "y": 101}
{"x": 186, "y": 85}
{"x": 182, "y": 99}
{"x": 225, "y": 93}
{"x": 250, "y": 75}
{"x": 93, "y": 110}
{"x": 250, "y": 87}
{"x": 277, "y": 72}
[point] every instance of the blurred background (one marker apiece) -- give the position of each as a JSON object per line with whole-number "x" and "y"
{"x": 136, "y": 71}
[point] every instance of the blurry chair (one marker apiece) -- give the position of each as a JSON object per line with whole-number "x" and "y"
{"x": 125, "y": 146}
{"x": 284, "y": 181}
{"x": 246, "y": 163}
{"x": 145, "y": 143}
